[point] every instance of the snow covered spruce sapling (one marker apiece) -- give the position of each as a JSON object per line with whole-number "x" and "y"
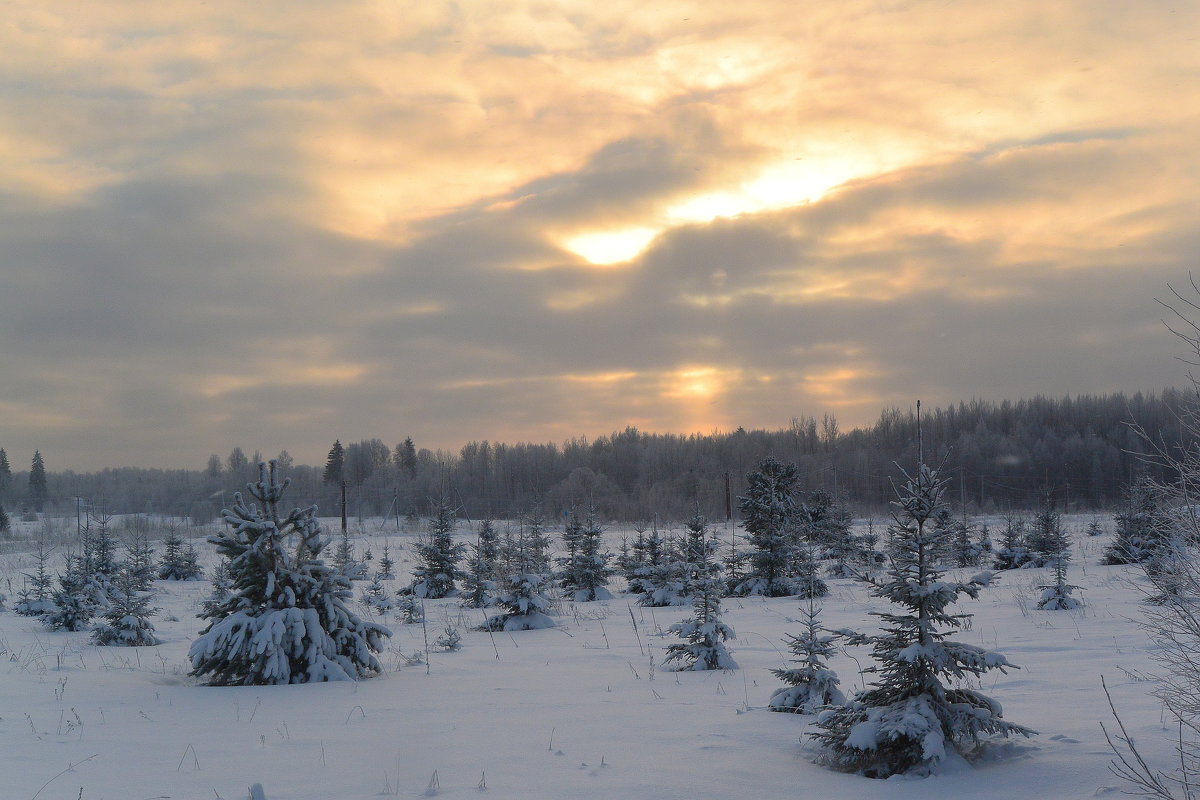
{"x": 909, "y": 721}
{"x": 584, "y": 570}
{"x": 180, "y": 562}
{"x": 127, "y": 619}
{"x": 811, "y": 685}
{"x": 439, "y": 556}
{"x": 526, "y": 608}
{"x": 704, "y": 635}
{"x": 286, "y": 620}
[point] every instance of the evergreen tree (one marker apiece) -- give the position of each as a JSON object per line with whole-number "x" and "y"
{"x": 909, "y": 721}
{"x": 139, "y": 561}
{"x": 375, "y": 596}
{"x": 222, "y": 579}
{"x": 811, "y": 686}
{"x": 1045, "y": 539}
{"x": 335, "y": 464}
{"x": 584, "y": 570}
{"x": 73, "y": 602}
{"x": 479, "y": 585}
{"x": 5, "y": 474}
{"x": 1014, "y": 551}
{"x": 439, "y": 556}
{"x": 286, "y": 620}
{"x": 5, "y": 525}
{"x": 1138, "y": 535}
{"x": 526, "y": 608}
{"x": 387, "y": 567}
{"x": 345, "y": 560}
{"x": 405, "y": 458}
{"x": 704, "y": 635}
{"x": 35, "y": 597}
{"x": 768, "y": 509}
{"x": 127, "y": 619}
{"x": 179, "y": 562}
{"x": 37, "y": 482}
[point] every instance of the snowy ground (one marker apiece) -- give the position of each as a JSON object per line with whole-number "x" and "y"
{"x": 575, "y": 712}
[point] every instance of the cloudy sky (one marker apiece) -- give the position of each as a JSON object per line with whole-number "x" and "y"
{"x": 271, "y": 224}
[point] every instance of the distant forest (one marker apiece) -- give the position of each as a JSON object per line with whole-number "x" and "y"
{"x": 999, "y": 456}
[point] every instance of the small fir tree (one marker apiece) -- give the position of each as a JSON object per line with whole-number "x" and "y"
{"x": 439, "y": 555}
{"x": 479, "y": 585}
{"x": 584, "y": 570}
{"x": 1014, "y": 552}
{"x": 345, "y": 560}
{"x": 73, "y": 604}
{"x": 525, "y": 607}
{"x": 1054, "y": 550}
{"x": 286, "y": 620}
{"x": 127, "y": 619}
{"x": 1045, "y": 539}
{"x": 812, "y": 685}
{"x": 1138, "y": 535}
{"x": 387, "y": 567}
{"x": 704, "y": 635}
{"x": 35, "y": 597}
{"x": 768, "y": 509}
{"x": 139, "y": 561}
{"x": 909, "y": 721}
{"x": 180, "y": 561}
{"x": 5, "y": 474}
{"x": 5, "y": 525}
{"x": 375, "y": 596}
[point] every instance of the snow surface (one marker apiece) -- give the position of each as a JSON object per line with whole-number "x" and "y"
{"x": 581, "y": 710}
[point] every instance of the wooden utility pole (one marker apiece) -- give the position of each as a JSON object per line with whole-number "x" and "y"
{"x": 343, "y": 482}
{"x": 728, "y": 500}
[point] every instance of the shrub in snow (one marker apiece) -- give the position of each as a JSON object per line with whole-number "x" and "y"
{"x": 812, "y": 685}
{"x": 127, "y": 620}
{"x": 179, "y": 562}
{"x": 584, "y": 571}
{"x": 526, "y": 608}
{"x": 286, "y": 620}
{"x": 909, "y": 721}
{"x": 439, "y": 555}
{"x": 450, "y": 640}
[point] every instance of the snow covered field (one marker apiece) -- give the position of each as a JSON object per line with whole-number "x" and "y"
{"x": 580, "y": 711}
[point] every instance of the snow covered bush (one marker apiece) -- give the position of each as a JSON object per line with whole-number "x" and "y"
{"x": 526, "y": 608}
{"x": 286, "y": 619}
{"x": 909, "y": 720}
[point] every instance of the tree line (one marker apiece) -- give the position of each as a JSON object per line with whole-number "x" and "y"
{"x": 996, "y": 455}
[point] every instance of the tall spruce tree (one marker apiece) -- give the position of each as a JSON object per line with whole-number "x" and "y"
{"x": 335, "y": 464}
{"x": 285, "y": 619}
{"x": 38, "y": 491}
{"x": 5, "y": 474}
{"x": 909, "y": 720}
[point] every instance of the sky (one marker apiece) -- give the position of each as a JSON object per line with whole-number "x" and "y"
{"x": 274, "y": 224}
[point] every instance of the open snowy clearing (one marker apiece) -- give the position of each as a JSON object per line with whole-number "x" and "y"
{"x": 581, "y": 711}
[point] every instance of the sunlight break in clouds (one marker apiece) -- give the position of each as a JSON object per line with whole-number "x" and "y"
{"x": 451, "y": 221}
